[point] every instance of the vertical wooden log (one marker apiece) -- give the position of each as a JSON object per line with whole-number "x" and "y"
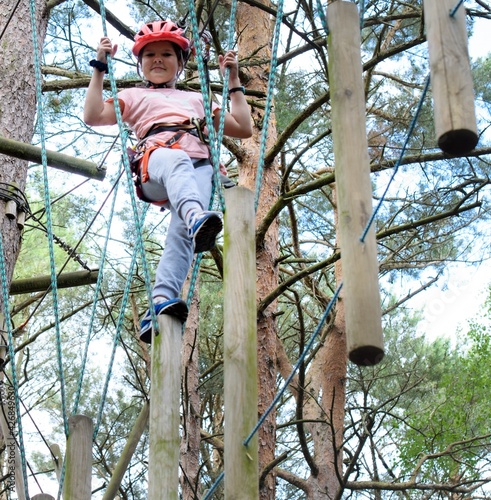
{"x": 163, "y": 461}
{"x": 128, "y": 451}
{"x": 57, "y": 459}
{"x": 78, "y": 476}
{"x": 240, "y": 350}
{"x": 354, "y": 195}
{"x": 451, "y": 78}
{"x": 8, "y": 422}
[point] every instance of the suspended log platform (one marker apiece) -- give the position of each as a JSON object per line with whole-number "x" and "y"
{"x": 56, "y": 160}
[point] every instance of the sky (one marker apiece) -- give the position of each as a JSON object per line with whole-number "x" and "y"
{"x": 460, "y": 295}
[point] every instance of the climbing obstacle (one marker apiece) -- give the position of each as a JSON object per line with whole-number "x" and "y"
{"x": 365, "y": 343}
{"x": 353, "y": 187}
{"x": 451, "y": 77}
{"x": 240, "y": 368}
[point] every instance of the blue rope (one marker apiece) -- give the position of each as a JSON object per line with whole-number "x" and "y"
{"x": 139, "y": 239}
{"x": 214, "y": 486}
{"x": 301, "y": 359}
{"x": 98, "y": 286}
{"x": 456, "y": 8}
{"x": 286, "y": 383}
{"x": 119, "y": 327}
{"x": 269, "y": 99}
{"x": 49, "y": 222}
{"x": 215, "y": 137}
{"x": 399, "y": 160}
{"x": 322, "y": 16}
{"x": 15, "y": 383}
{"x": 362, "y": 13}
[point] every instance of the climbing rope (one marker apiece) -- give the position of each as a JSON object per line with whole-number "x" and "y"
{"x": 97, "y": 292}
{"x": 215, "y": 136}
{"x": 269, "y": 99}
{"x": 119, "y": 120}
{"x": 399, "y": 160}
{"x": 10, "y": 347}
{"x": 119, "y": 327}
{"x": 44, "y": 161}
{"x": 285, "y": 384}
{"x": 456, "y": 8}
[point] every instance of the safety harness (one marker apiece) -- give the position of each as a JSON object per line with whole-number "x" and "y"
{"x": 139, "y": 154}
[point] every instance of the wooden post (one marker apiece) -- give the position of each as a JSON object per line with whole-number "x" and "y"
{"x": 57, "y": 160}
{"x": 128, "y": 451}
{"x": 78, "y": 476}
{"x": 354, "y": 195}
{"x": 451, "y": 78}
{"x": 8, "y": 422}
{"x": 57, "y": 459}
{"x": 240, "y": 349}
{"x": 163, "y": 460}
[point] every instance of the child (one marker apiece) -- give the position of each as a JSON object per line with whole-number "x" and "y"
{"x": 176, "y": 172}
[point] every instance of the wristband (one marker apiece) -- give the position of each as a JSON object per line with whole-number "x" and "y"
{"x": 237, "y": 89}
{"x": 99, "y": 65}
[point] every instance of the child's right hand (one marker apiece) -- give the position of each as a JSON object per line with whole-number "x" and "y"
{"x": 105, "y": 47}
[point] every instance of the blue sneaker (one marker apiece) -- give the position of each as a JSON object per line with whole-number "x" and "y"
{"x": 174, "y": 307}
{"x": 203, "y": 229}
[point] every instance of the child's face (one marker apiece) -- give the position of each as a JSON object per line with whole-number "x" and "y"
{"x": 159, "y": 62}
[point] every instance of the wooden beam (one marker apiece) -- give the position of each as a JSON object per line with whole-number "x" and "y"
{"x": 451, "y": 77}
{"x": 56, "y": 160}
{"x": 163, "y": 460}
{"x": 353, "y": 187}
{"x": 78, "y": 477}
{"x": 128, "y": 451}
{"x": 64, "y": 280}
{"x": 111, "y": 19}
{"x": 240, "y": 345}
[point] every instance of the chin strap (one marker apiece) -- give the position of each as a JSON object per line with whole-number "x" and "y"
{"x": 151, "y": 85}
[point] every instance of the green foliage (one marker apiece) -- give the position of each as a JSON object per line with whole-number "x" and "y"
{"x": 431, "y": 398}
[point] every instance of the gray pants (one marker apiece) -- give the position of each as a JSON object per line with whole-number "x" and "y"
{"x": 174, "y": 178}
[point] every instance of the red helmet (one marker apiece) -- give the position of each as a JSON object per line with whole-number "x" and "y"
{"x": 160, "y": 30}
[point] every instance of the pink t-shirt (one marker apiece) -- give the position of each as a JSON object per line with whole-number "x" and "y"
{"x": 142, "y": 107}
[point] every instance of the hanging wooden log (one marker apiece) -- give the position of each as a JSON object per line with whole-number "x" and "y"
{"x": 57, "y": 160}
{"x": 78, "y": 477}
{"x": 163, "y": 460}
{"x": 451, "y": 77}
{"x": 240, "y": 345}
{"x": 354, "y": 195}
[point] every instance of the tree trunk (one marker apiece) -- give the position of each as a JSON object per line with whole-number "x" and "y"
{"x": 18, "y": 106}
{"x": 191, "y": 419}
{"x": 17, "y": 113}
{"x": 254, "y": 26}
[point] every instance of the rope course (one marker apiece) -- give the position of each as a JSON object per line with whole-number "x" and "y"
{"x": 139, "y": 219}
{"x": 54, "y": 288}
{"x": 269, "y": 99}
{"x": 318, "y": 329}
